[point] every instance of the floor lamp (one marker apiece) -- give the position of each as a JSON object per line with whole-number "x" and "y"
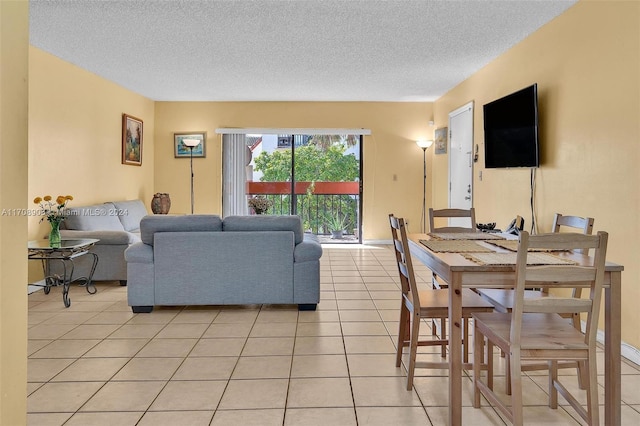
{"x": 191, "y": 143}
{"x": 424, "y": 144}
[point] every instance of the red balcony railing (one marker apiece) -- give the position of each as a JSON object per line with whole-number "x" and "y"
{"x": 316, "y": 202}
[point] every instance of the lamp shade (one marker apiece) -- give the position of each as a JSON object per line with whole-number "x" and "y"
{"x": 424, "y": 144}
{"x": 191, "y": 142}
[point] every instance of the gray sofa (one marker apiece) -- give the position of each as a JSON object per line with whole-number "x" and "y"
{"x": 116, "y": 224}
{"x": 204, "y": 260}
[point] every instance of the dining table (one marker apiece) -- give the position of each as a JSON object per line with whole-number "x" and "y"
{"x": 458, "y": 269}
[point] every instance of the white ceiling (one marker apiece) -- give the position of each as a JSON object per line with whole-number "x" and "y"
{"x": 314, "y": 50}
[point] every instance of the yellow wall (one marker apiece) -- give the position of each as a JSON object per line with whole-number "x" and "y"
{"x": 14, "y": 42}
{"x": 586, "y": 64}
{"x": 389, "y": 151}
{"x": 75, "y": 134}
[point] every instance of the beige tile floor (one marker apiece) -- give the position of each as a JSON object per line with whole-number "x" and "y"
{"x": 97, "y": 363}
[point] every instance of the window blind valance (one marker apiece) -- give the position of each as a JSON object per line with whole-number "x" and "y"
{"x": 290, "y": 131}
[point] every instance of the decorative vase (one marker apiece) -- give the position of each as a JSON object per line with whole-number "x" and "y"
{"x": 54, "y": 234}
{"x": 258, "y": 211}
{"x": 161, "y": 203}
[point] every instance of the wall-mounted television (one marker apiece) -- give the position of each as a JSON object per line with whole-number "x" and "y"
{"x": 511, "y": 130}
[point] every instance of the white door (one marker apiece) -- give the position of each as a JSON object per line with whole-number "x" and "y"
{"x": 461, "y": 161}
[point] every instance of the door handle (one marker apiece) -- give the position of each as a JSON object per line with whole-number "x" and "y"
{"x": 468, "y": 197}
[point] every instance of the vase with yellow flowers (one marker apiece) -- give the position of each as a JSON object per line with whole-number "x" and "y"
{"x": 54, "y": 212}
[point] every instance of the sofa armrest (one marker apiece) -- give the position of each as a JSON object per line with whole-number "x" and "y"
{"x": 308, "y": 250}
{"x": 139, "y": 253}
{"x": 105, "y": 237}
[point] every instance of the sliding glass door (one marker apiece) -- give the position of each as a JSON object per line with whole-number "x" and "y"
{"x": 315, "y": 176}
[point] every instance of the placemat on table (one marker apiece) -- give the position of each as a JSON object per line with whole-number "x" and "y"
{"x": 510, "y": 259}
{"x": 513, "y": 245}
{"x": 454, "y": 246}
{"x": 464, "y": 236}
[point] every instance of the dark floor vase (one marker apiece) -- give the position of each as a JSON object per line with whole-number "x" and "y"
{"x": 161, "y": 203}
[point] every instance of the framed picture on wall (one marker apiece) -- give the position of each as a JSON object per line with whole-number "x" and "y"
{"x": 131, "y": 140}
{"x": 182, "y": 141}
{"x": 441, "y": 140}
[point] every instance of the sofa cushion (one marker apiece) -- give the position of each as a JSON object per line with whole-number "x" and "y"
{"x": 130, "y": 213}
{"x": 100, "y": 217}
{"x": 149, "y": 225}
{"x": 104, "y": 237}
{"x": 265, "y": 223}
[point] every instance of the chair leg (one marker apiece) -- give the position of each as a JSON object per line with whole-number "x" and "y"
{"x": 413, "y": 352}
{"x": 507, "y": 372}
{"x": 582, "y": 371}
{"x": 478, "y": 353}
{"x": 516, "y": 388}
{"x": 443, "y": 336}
{"x": 592, "y": 389}
{"x": 402, "y": 332}
{"x": 465, "y": 340}
{"x": 489, "y": 364}
{"x": 553, "y": 377}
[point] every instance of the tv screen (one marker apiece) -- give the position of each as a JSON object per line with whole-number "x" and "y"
{"x": 511, "y": 130}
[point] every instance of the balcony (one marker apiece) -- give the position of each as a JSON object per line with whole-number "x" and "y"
{"x": 316, "y": 203}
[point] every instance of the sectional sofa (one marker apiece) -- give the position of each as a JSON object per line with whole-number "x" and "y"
{"x": 116, "y": 224}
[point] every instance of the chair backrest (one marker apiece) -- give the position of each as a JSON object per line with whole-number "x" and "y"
{"x": 564, "y": 275}
{"x": 452, "y": 213}
{"x": 583, "y": 224}
{"x": 403, "y": 259}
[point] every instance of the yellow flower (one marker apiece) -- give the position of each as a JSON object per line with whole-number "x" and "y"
{"x": 54, "y": 212}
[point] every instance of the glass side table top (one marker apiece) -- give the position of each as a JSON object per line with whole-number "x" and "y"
{"x": 78, "y": 243}
{"x": 63, "y": 256}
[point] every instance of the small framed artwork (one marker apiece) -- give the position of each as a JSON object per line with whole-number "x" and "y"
{"x": 131, "y": 140}
{"x": 183, "y": 143}
{"x": 441, "y": 140}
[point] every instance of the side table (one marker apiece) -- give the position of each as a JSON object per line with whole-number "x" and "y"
{"x": 65, "y": 254}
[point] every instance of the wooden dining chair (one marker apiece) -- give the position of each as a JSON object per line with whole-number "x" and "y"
{"x": 534, "y": 330}
{"x": 450, "y": 214}
{"x": 440, "y": 214}
{"x": 423, "y": 304}
{"x": 503, "y": 299}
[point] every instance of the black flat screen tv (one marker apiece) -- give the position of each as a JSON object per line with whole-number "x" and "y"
{"x": 511, "y": 130}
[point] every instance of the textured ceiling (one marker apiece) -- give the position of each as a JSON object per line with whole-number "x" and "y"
{"x": 315, "y": 50}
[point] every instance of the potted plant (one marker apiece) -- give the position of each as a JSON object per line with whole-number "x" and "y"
{"x": 260, "y": 204}
{"x": 336, "y": 225}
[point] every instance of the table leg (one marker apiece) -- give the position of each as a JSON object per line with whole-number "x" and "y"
{"x": 48, "y": 279}
{"x": 56, "y": 280}
{"x": 455, "y": 350}
{"x": 91, "y": 288}
{"x": 612, "y": 342}
{"x": 66, "y": 282}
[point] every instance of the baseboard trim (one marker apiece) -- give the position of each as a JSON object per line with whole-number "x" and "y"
{"x": 630, "y": 352}
{"x": 376, "y": 242}
{"x": 32, "y": 288}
